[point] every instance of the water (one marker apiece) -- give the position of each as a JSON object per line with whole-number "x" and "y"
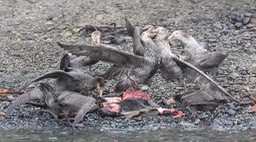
{"x": 126, "y": 136}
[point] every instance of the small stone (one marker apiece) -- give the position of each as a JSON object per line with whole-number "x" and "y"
{"x": 235, "y": 74}
{"x": 76, "y": 29}
{"x": 144, "y": 87}
{"x": 248, "y": 15}
{"x": 218, "y": 25}
{"x": 197, "y": 121}
{"x": 253, "y": 68}
{"x": 49, "y": 23}
{"x": 238, "y": 24}
{"x": 226, "y": 42}
{"x": 67, "y": 34}
{"x": 54, "y": 65}
{"x": 231, "y": 106}
{"x": 81, "y": 24}
{"x": 211, "y": 40}
{"x": 99, "y": 17}
{"x": 203, "y": 116}
{"x": 231, "y": 26}
{"x": 10, "y": 97}
{"x": 249, "y": 26}
{"x": 179, "y": 88}
{"x": 231, "y": 112}
{"x": 246, "y": 20}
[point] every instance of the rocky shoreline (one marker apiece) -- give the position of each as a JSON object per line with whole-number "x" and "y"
{"x": 30, "y": 32}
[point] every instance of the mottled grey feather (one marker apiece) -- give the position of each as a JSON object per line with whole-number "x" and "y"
{"x": 75, "y": 102}
{"x": 50, "y": 99}
{"x": 197, "y": 97}
{"x": 114, "y": 71}
{"x": 168, "y": 68}
{"x": 35, "y": 94}
{"x": 84, "y": 110}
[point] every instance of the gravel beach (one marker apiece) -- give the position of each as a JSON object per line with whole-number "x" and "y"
{"x": 30, "y": 31}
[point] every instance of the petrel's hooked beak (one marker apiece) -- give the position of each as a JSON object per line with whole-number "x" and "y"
{"x": 152, "y": 32}
{"x": 100, "y": 89}
{"x": 171, "y": 40}
{"x": 147, "y": 27}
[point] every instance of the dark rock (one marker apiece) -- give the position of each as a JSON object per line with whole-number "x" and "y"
{"x": 238, "y": 24}
{"x": 246, "y": 20}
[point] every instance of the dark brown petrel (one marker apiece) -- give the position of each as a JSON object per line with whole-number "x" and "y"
{"x": 69, "y": 102}
{"x": 36, "y": 94}
{"x": 205, "y": 99}
{"x": 134, "y": 32}
{"x": 72, "y": 79}
{"x": 208, "y": 62}
{"x": 197, "y": 55}
{"x": 80, "y": 61}
{"x": 57, "y": 102}
{"x": 168, "y": 68}
{"x": 140, "y": 68}
{"x": 169, "y": 56}
{"x": 138, "y": 49}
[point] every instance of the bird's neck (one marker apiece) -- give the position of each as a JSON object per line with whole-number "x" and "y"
{"x": 165, "y": 47}
{"x": 192, "y": 44}
{"x": 151, "y": 47}
{"x": 93, "y": 82}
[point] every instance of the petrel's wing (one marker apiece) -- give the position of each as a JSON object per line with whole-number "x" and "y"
{"x": 107, "y": 54}
{"x": 82, "y": 61}
{"x": 52, "y": 74}
{"x": 211, "y": 60}
{"x": 197, "y": 98}
{"x": 25, "y": 98}
{"x": 114, "y": 71}
{"x": 85, "y": 109}
{"x": 134, "y": 32}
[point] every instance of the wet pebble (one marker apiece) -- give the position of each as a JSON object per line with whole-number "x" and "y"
{"x": 231, "y": 111}
{"x": 10, "y": 97}
{"x": 212, "y": 39}
{"x": 246, "y": 20}
{"x": 226, "y": 42}
{"x": 233, "y": 76}
{"x": 250, "y": 25}
{"x": 238, "y": 24}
